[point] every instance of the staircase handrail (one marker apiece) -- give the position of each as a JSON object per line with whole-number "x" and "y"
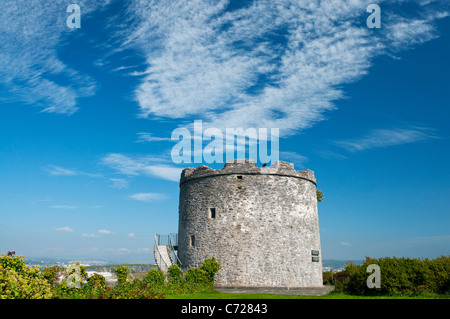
{"x": 156, "y": 250}
{"x": 172, "y": 249}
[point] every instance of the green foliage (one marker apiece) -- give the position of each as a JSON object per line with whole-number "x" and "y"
{"x": 50, "y": 273}
{"x": 18, "y": 281}
{"x": 154, "y": 285}
{"x": 319, "y": 195}
{"x": 134, "y": 290}
{"x": 174, "y": 274}
{"x": 96, "y": 288}
{"x": 96, "y": 280}
{"x": 399, "y": 276}
{"x": 210, "y": 267}
{"x": 122, "y": 274}
{"x": 154, "y": 277}
{"x": 195, "y": 280}
{"x": 339, "y": 280}
{"x": 13, "y": 262}
{"x": 196, "y": 276}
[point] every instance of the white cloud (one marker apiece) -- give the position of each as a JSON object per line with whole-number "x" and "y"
{"x": 119, "y": 183}
{"x": 147, "y": 197}
{"x": 106, "y": 232}
{"x": 267, "y": 64}
{"x": 147, "y": 165}
{"x": 331, "y": 155}
{"x": 406, "y": 32}
{"x": 65, "y": 229}
{"x": 387, "y": 137}
{"x": 294, "y": 157}
{"x": 148, "y": 137}
{"x": 30, "y": 34}
{"x": 346, "y": 244}
{"x": 59, "y": 171}
{"x": 131, "y": 235}
{"x": 167, "y": 172}
{"x": 123, "y": 164}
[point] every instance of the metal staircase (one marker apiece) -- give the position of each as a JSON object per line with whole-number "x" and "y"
{"x": 165, "y": 251}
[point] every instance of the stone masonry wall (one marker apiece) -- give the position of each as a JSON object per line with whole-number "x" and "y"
{"x": 265, "y": 227}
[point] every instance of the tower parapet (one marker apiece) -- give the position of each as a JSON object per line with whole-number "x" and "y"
{"x": 247, "y": 167}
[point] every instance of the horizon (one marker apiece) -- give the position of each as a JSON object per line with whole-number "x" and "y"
{"x": 43, "y": 262}
{"x": 88, "y": 111}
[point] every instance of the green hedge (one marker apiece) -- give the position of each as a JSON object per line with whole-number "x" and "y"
{"x": 18, "y": 281}
{"x": 399, "y": 276}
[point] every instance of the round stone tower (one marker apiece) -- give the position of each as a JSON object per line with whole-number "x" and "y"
{"x": 260, "y": 223}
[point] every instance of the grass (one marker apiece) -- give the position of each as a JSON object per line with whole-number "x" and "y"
{"x": 333, "y": 295}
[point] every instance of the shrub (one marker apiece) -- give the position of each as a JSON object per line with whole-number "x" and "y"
{"x": 400, "y": 276}
{"x": 96, "y": 280}
{"x": 174, "y": 274}
{"x": 339, "y": 280}
{"x": 18, "y": 281}
{"x": 319, "y": 195}
{"x": 51, "y": 274}
{"x": 196, "y": 276}
{"x": 440, "y": 268}
{"x": 154, "y": 277}
{"x": 211, "y": 267}
{"x": 122, "y": 274}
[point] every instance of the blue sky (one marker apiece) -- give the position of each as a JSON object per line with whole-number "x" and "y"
{"x": 86, "y": 117}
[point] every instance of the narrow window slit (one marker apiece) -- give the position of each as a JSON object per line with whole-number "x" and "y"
{"x": 212, "y": 213}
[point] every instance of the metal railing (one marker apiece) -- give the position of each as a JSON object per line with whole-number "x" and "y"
{"x": 170, "y": 242}
{"x": 164, "y": 240}
{"x": 160, "y": 262}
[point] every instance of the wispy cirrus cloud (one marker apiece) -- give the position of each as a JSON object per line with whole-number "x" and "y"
{"x": 294, "y": 157}
{"x": 261, "y": 64}
{"x": 119, "y": 183}
{"x": 31, "y": 33}
{"x": 106, "y": 232}
{"x": 166, "y": 172}
{"x": 148, "y": 137}
{"x": 65, "y": 229}
{"x": 61, "y": 171}
{"x": 387, "y": 137}
{"x": 147, "y": 197}
{"x": 144, "y": 165}
{"x": 99, "y": 233}
{"x": 124, "y": 164}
